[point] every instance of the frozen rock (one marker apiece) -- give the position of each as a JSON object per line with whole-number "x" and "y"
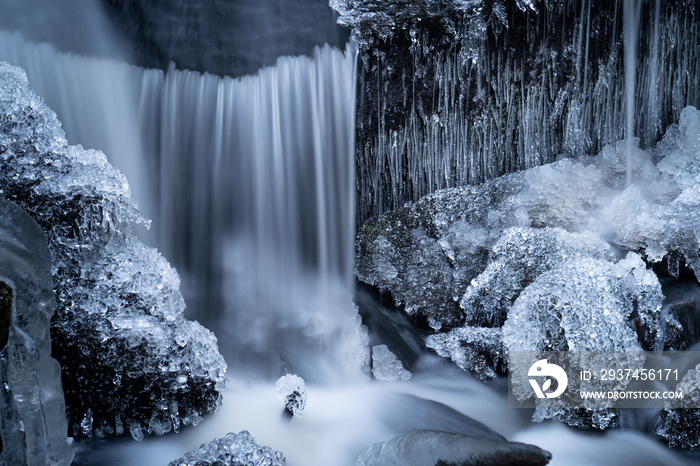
{"x": 131, "y": 363}
{"x": 291, "y": 389}
{"x": 582, "y": 305}
{"x": 520, "y": 256}
{"x": 33, "y": 423}
{"x": 232, "y": 450}
{"x": 386, "y": 366}
{"x": 429, "y": 447}
{"x": 478, "y": 350}
{"x": 426, "y": 253}
{"x": 681, "y": 426}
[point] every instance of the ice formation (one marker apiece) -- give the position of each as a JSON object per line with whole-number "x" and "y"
{"x": 232, "y": 450}
{"x": 585, "y": 304}
{"x": 33, "y": 423}
{"x": 131, "y": 363}
{"x": 424, "y": 447}
{"x": 386, "y": 366}
{"x": 457, "y": 92}
{"x": 291, "y": 390}
{"x": 582, "y": 305}
{"x": 681, "y": 426}
{"x": 478, "y": 350}
{"x": 570, "y": 239}
{"x": 427, "y": 253}
{"x": 519, "y": 256}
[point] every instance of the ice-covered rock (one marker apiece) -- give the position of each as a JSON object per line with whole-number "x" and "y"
{"x": 291, "y": 390}
{"x": 478, "y": 350}
{"x": 386, "y": 366}
{"x": 426, "y": 253}
{"x": 520, "y": 256}
{"x": 131, "y": 363}
{"x": 429, "y": 447}
{"x": 681, "y": 426}
{"x": 232, "y": 450}
{"x": 33, "y": 425}
{"x": 582, "y": 305}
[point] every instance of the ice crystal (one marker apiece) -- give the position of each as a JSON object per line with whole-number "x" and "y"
{"x": 232, "y": 450}
{"x": 386, "y": 366}
{"x": 291, "y": 389}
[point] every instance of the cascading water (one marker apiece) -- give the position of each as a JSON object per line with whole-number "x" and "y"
{"x": 256, "y": 189}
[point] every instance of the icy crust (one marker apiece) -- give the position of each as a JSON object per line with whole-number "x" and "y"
{"x": 386, "y": 366}
{"x": 426, "y": 253}
{"x": 131, "y": 364}
{"x": 478, "y": 350}
{"x": 520, "y": 256}
{"x": 382, "y": 18}
{"x": 681, "y": 426}
{"x": 232, "y": 450}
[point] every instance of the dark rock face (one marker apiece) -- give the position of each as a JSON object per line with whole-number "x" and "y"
{"x": 224, "y": 37}
{"x": 454, "y": 93}
{"x": 130, "y": 361}
{"x": 427, "y": 447}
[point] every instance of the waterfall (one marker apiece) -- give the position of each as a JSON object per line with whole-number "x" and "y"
{"x": 250, "y": 185}
{"x": 256, "y": 195}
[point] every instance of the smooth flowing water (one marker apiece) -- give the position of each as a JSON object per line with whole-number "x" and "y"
{"x": 255, "y": 188}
